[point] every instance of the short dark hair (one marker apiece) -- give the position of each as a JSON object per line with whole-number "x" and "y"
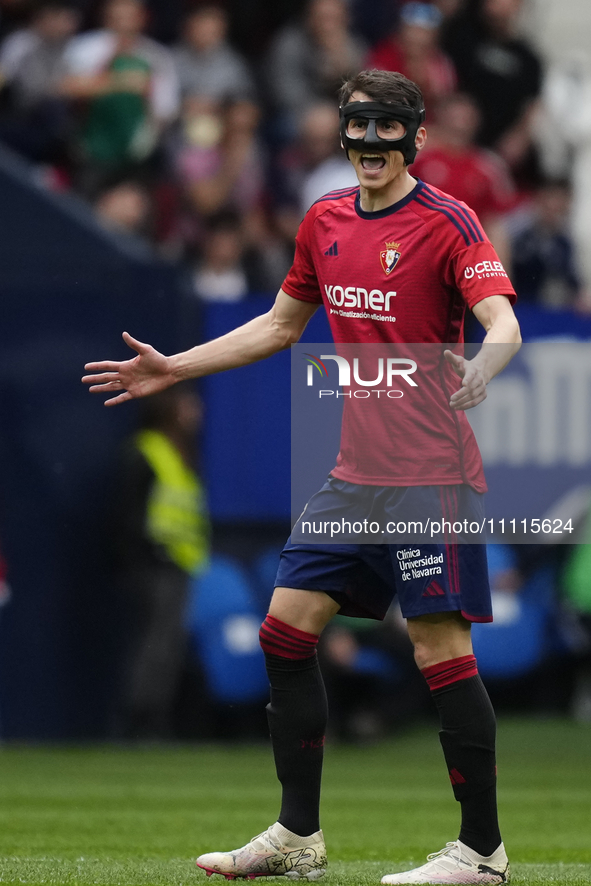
{"x": 390, "y": 87}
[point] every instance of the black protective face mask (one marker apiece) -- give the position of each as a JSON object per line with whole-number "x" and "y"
{"x": 373, "y": 111}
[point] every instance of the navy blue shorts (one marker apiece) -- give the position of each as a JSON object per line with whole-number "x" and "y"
{"x": 364, "y": 578}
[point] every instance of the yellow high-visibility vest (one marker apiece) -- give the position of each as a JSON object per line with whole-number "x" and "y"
{"x": 176, "y": 515}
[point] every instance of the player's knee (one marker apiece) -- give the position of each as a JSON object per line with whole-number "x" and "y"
{"x": 278, "y": 638}
{"x": 430, "y": 649}
{"x": 308, "y": 611}
{"x": 427, "y": 654}
{"x": 427, "y": 645}
{"x": 424, "y": 655}
{"x": 439, "y": 637}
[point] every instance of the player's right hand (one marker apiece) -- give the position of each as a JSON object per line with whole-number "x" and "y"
{"x": 146, "y": 374}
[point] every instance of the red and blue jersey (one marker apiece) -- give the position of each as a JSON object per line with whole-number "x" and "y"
{"x": 401, "y": 275}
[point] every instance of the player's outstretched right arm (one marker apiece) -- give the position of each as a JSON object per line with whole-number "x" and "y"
{"x": 150, "y": 372}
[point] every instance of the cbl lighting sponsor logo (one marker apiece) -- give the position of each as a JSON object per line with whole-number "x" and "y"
{"x": 485, "y": 269}
{"x": 388, "y": 371}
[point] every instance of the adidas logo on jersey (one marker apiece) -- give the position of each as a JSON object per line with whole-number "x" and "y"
{"x": 332, "y": 250}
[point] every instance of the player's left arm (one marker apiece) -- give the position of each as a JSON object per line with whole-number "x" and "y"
{"x": 501, "y": 343}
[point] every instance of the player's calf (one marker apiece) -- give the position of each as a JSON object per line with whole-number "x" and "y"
{"x": 297, "y": 715}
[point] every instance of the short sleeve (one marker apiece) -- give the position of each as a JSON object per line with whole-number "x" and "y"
{"x": 476, "y": 273}
{"x": 302, "y": 280}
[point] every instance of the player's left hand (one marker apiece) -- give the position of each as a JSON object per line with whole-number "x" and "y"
{"x": 473, "y": 389}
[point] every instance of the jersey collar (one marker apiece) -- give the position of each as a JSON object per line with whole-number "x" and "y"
{"x": 389, "y": 210}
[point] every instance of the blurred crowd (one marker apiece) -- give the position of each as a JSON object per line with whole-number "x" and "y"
{"x": 209, "y": 128}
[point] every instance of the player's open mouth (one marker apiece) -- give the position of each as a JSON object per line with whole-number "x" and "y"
{"x": 373, "y": 161}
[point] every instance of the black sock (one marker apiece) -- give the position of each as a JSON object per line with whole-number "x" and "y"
{"x": 297, "y": 717}
{"x": 468, "y": 731}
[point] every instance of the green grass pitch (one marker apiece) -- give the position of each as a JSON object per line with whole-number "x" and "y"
{"x": 138, "y": 817}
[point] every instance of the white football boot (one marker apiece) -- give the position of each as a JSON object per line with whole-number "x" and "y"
{"x": 276, "y": 852}
{"x": 457, "y": 864}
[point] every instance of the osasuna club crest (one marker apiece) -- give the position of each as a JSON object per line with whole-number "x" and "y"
{"x": 390, "y": 256}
